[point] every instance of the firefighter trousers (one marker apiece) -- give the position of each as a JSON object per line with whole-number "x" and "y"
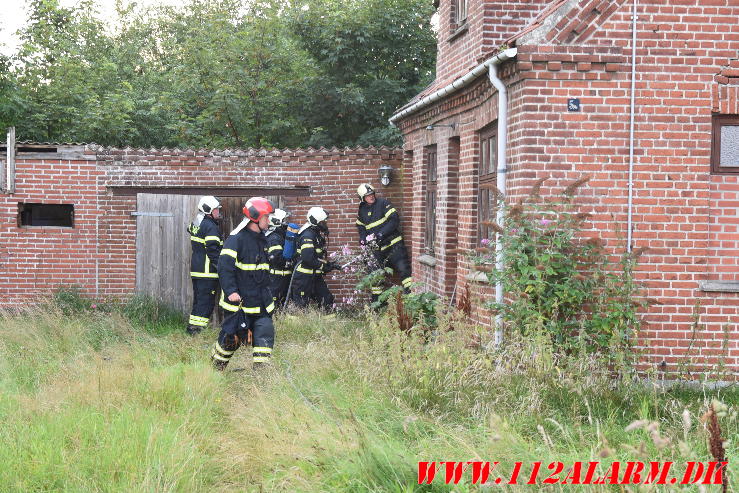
{"x": 311, "y": 289}
{"x": 279, "y": 284}
{"x": 203, "y": 300}
{"x": 395, "y": 261}
{"x": 235, "y": 333}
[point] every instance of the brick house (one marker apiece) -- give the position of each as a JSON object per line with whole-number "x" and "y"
{"x": 112, "y": 221}
{"x": 543, "y": 88}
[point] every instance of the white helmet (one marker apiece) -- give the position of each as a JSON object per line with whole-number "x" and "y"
{"x": 364, "y": 189}
{"x": 278, "y": 218}
{"x": 317, "y": 215}
{"x": 208, "y": 203}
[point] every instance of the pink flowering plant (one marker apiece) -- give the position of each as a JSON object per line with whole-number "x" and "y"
{"x": 364, "y": 267}
{"x": 558, "y": 280}
{"x": 354, "y": 262}
{"x": 361, "y": 267}
{"x": 371, "y": 273}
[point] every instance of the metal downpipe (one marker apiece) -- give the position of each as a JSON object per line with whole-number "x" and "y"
{"x": 629, "y": 220}
{"x": 501, "y": 184}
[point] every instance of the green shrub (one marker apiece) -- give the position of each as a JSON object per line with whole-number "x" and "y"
{"x": 558, "y": 281}
{"x": 153, "y": 315}
{"x": 69, "y": 300}
{"x": 143, "y": 310}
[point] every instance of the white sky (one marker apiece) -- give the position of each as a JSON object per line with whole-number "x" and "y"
{"x": 14, "y": 15}
{"x": 12, "y": 18}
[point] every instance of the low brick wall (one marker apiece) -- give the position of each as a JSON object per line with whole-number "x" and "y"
{"x": 99, "y": 252}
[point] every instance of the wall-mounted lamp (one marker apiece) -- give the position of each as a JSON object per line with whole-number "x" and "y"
{"x": 437, "y": 125}
{"x": 385, "y": 173}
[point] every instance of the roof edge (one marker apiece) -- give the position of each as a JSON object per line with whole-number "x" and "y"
{"x": 456, "y": 85}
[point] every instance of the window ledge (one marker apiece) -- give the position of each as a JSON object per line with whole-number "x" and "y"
{"x": 460, "y": 30}
{"x": 720, "y": 286}
{"x": 477, "y": 276}
{"x": 725, "y": 171}
{"x": 59, "y": 228}
{"x": 427, "y": 260}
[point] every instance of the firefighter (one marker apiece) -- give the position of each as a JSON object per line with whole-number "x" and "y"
{"x": 245, "y": 290}
{"x": 308, "y": 284}
{"x": 280, "y": 268}
{"x": 206, "y": 241}
{"x": 378, "y": 224}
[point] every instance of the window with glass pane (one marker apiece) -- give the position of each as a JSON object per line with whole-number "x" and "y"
{"x": 431, "y": 174}
{"x": 486, "y": 178}
{"x": 725, "y": 146}
{"x": 460, "y": 9}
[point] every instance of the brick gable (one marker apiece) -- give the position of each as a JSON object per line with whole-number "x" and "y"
{"x": 686, "y": 72}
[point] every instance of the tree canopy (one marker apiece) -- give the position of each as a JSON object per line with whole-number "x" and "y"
{"x": 218, "y": 73}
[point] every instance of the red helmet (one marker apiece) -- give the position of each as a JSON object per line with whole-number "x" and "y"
{"x": 256, "y": 207}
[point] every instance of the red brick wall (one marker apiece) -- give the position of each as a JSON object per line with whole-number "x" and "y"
{"x": 686, "y": 71}
{"x": 99, "y": 253}
{"x": 35, "y": 258}
{"x": 681, "y": 212}
{"x": 489, "y": 23}
{"x": 722, "y": 252}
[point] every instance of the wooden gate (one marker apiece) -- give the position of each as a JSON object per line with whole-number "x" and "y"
{"x": 163, "y": 243}
{"x": 163, "y": 247}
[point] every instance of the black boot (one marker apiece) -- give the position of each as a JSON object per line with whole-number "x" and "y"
{"x": 194, "y": 330}
{"x": 218, "y": 364}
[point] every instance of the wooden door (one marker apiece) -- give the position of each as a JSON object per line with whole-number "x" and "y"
{"x": 163, "y": 247}
{"x": 163, "y": 243}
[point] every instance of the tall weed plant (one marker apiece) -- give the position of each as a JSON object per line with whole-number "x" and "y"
{"x": 559, "y": 280}
{"x": 527, "y": 401}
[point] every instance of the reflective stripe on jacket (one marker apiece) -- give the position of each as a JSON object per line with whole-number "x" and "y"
{"x": 311, "y": 252}
{"x": 243, "y": 269}
{"x": 206, "y": 242}
{"x": 380, "y": 219}
{"x": 275, "y": 247}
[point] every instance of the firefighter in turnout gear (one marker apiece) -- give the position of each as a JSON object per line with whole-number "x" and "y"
{"x": 206, "y": 241}
{"x": 280, "y": 268}
{"x": 308, "y": 285}
{"x": 378, "y": 224}
{"x": 245, "y": 293}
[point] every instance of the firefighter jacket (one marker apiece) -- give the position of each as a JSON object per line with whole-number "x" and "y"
{"x": 206, "y": 242}
{"x": 243, "y": 269}
{"x": 380, "y": 219}
{"x": 278, "y": 264}
{"x": 311, "y": 252}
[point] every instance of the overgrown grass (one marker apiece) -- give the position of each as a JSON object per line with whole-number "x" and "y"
{"x": 105, "y": 403}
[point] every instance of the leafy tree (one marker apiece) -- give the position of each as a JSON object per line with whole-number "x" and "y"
{"x": 50, "y": 48}
{"x": 373, "y": 55}
{"x": 217, "y": 73}
{"x": 11, "y": 102}
{"x": 234, "y": 77}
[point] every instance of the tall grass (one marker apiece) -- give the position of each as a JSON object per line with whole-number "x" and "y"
{"x": 105, "y": 403}
{"x": 92, "y": 403}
